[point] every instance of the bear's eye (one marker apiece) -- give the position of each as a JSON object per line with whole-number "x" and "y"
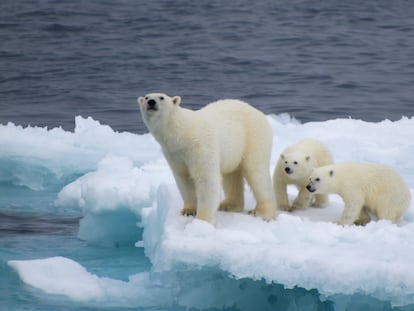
{"x": 318, "y": 179}
{"x": 296, "y": 162}
{"x": 146, "y": 97}
{"x": 286, "y": 162}
{"x": 162, "y": 97}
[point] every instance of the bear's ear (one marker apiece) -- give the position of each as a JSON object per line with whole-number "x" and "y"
{"x": 176, "y": 100}
{"x": 331, "y": 173}
{"x": 141, "y": 100}
{"x": 282, "y": 156}
{"x": 307, "y": 158}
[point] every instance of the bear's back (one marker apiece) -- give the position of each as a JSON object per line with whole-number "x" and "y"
{"x": 369, "y": 174}
{"x": 235, "y": 116}
{"x": 241, "y": 130}
{"x": 229, "y": 106}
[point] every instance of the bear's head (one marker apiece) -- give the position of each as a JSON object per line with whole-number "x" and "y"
{"x": 322, "y": 180}
{"x": 296, "y": 165}
{"x": 157, "y": 106}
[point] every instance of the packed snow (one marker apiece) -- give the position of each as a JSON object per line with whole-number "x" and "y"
{"x": 122, "y": 185}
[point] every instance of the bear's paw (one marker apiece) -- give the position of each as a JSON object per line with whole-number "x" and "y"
{"x": 188, "y": 211}
{"x": 265, "y": 211}
{"x": 230, "y": 206}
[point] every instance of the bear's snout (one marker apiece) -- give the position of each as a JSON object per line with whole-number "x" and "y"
{"x": 288, "y": 170}
{"x": 152, "y": 104}
{"x": 310, "y": 188}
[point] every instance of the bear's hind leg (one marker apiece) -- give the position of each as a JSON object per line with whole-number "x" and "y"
{"x": 233, "y": 192}
{"x": 391, "y": 207}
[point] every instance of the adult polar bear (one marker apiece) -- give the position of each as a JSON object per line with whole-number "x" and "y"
{"x": 225, "y": 141}
{"x": 364, "y": 188}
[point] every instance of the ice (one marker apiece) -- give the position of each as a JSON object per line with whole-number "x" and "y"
{"x": 295, "y": 251}
{"x": 112, "y": 198}
{"x": 115, "y": 184}
{"x": 197, "y": 290}
{"x": 38, "y": 157}
{"x": 121, "y": 184}
{"x": 63, "y": 276}
{"x": 78, "y": 283}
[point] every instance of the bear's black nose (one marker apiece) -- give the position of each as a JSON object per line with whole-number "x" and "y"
{"x": 310, "y": 189}
{"x": 151, "y": 102}
{"x": 288, "y": 170}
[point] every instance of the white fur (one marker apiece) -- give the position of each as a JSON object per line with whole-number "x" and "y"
{"x": 364, "y": 187}
{"x": 225, "y": 141}
{"x": 294, "y": 167}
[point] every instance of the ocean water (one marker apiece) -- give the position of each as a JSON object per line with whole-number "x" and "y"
{"x": 88, "y": 205}
{"x": 315, "y": 60}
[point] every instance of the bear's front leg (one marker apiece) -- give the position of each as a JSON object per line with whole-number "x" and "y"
{"x": 282, "y": 201}
{"x": 184, "y": 183}
{"x": 208, "y": 201}
{"x": 302, "y": 200}
{"x": 208, "y": 186}
{"x": 186, "y": 187}
{"x": 320, "y": 200}
{"x": 352, "y": 211}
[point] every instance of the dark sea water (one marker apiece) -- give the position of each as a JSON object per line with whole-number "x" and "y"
{"x": 315, "y": 60}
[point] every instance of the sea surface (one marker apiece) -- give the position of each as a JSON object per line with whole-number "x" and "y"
{"x": 314, "y": 60}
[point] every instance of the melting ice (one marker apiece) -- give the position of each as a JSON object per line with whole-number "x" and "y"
{"x": 125, "y": 191}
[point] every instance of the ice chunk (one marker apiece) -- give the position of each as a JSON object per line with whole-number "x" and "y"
{"x": 116, "y": 183}
{"x": 59, "y": 275}
{"x": 112, "y": 198}
{"x": 295, "y": 251}
{"x": 63, "y": 276}
{"x": 38, "y": 157}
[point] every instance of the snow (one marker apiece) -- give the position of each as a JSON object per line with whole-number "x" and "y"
{"x": 122, "y": 185}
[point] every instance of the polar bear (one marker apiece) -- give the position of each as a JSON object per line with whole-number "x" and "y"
{"x": 224, "y": 142}
{"x": 294, "y": 167}
{"x": 364, "y": 187}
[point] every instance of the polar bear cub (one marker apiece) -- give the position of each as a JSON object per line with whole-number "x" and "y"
{"x": 364, "y": 187}
{"x": 294, "y": 167}
{"x": 225, "y": 142}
